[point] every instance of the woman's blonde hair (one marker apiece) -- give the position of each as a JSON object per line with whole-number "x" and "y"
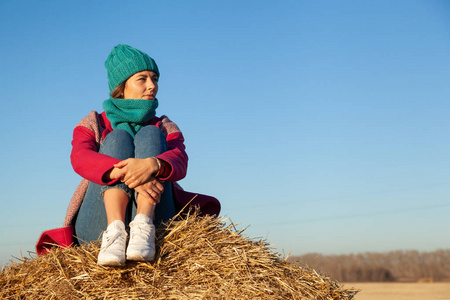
{"x": 117, "y": 93}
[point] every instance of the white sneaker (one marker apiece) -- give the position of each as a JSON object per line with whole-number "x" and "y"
{"x": 142, "y": 239}
{"x": 112, "y": 251}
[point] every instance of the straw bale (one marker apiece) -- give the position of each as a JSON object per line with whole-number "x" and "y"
{"x": 197, "y": 258}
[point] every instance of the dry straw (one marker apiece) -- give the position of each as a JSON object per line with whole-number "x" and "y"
{"x": 197, "y": 258}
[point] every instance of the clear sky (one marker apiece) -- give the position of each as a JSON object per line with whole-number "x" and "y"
{"x": 321, "y": 125}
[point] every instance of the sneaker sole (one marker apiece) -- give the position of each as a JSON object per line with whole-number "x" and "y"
{"x": 111, "y": 263}
{"x": 138, "y": 257}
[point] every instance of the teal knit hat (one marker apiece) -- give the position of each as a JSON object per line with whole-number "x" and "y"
{"x": 124, "y": 61}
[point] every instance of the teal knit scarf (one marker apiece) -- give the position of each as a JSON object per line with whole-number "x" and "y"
{"x": 130, "y": 114}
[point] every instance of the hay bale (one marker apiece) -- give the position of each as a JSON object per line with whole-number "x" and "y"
{"x": 197, "y": 258}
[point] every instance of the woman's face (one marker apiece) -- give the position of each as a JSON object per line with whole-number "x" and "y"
{"x": 142, "y": 85}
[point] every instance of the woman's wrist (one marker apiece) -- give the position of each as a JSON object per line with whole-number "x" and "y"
{"x": 164, "y": 168}
{"x": 158, "y": 172}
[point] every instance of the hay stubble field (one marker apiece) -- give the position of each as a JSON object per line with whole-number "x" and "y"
{"x": 401, "y": 291}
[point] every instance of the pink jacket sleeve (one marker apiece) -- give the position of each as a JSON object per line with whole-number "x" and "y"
{"x": 176, "y": 156}
{"x": 86, "y": 161}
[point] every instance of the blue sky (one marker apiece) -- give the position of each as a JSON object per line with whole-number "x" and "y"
{"x": 321, "y": 125}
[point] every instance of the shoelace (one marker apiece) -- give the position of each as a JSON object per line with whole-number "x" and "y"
{"x": 111, "y": 239}
{"x": 141, "y": 228}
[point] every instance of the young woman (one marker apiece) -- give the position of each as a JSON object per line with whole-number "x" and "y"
{"x": 130, "y": 160}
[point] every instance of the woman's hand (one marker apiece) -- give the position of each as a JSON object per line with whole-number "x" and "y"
{"x": 151, "y": 190}
{"x": 135, "y": 171}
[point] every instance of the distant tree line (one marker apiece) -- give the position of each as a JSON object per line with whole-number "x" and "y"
{"x": 381, "y": 267}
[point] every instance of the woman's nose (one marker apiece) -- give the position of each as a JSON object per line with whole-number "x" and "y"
{"x": 150, "y": 84}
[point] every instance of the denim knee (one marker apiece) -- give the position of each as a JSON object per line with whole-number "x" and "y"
{"x": 149, "y": 131}
{"x": 149, "y": 142}
{"x": 118, "y": 144}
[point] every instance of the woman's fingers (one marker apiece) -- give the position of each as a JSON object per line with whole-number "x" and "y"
{"x": 121, "y": 164}
{"x": 130, "y": 178}
{"x": 156, "y": 197}
{"x": 151, "y": 190}
{"x": 150, "y": 195}
{"x": 154, "y": 193}
{"x": 159, "y": 186}
{"x": 133, "y": 183}
{"x": 153, "y": 184}
{"x": 116, "y": 173}
{"x": 150, "y": 198}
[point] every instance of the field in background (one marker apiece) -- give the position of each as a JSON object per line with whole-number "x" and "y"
{"x": 394, "y": 266}
{"x": 401, "y": 291}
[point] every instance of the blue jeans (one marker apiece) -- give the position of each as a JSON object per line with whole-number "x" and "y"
{"x": 91, "y": 219}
